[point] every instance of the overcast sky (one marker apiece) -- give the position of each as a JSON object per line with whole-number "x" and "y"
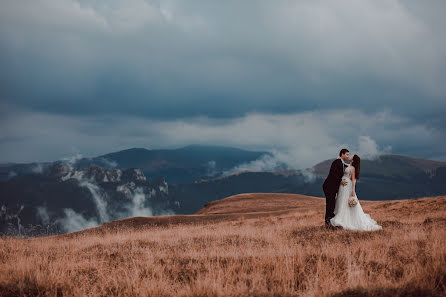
{"x": 302, "y": 78}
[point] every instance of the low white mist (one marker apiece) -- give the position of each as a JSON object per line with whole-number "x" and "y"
{"x": 296, "y": 157}
{"x": 137, "y": 204}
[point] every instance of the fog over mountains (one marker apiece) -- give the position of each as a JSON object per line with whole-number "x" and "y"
{"x": 73, "y": 194}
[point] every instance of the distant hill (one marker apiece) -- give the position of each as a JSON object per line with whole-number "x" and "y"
{"x": 391, "y": 166}
{"x": 173, "y": 165}
{"x": 63, "y": 198}
{"x": 177, "y": 165}
{"x": 64, "y": 195}
{"x": 93, "y": 191}
{"x": 388, "y": 178}
{"x": 9, "y": 170}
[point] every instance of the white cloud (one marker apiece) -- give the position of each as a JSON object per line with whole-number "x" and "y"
{"x": 211, "y": 165}
{"x": 71, "y": 159}
{"x": 38, "y": 168}
{"x": 73, "y": 221}
{"x": 12, "y": 173}
{"x": 290, "y": 158}
{"x": 99, "y": 198}
{"x": 42, "y": 213}
{"x": 298, "y": 139}
{"x": 109, "y": 163}
{"x": 368, "y": 149}
{"x": 138, "y": 208}
{"x": 137, "y": 204}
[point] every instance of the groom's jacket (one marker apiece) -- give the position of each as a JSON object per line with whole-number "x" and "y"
{"x": 333, "y": 180}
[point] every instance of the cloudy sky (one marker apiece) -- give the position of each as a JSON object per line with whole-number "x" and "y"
{"x": 301, "y": 78}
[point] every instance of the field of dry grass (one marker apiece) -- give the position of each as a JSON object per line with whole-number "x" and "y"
{"x": 245, "y": 245}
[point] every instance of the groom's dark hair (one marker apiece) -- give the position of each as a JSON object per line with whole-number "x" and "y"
{"x": 343, "y": 151}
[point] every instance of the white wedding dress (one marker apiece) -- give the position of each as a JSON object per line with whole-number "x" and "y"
{"x": 351, "y": 218}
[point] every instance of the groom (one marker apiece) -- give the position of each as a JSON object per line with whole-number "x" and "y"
{"x": 331, "y": 185}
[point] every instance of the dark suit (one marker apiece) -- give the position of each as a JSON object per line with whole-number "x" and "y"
{"x": 331, "y": 187}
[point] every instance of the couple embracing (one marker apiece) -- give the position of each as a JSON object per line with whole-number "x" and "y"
{"x": 343, "y": 210}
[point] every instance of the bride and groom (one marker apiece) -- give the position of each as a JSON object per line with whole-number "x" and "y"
{"x": 339, "y": 189}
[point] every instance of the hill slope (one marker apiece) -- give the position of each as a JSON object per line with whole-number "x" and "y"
{"x": 250, "y": 205}
{"x": 274, "y": 246}
{"x": 261, "y": 202}
{"x": 262, "y": 205}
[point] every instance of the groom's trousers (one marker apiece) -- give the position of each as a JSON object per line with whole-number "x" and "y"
{"x": 329, "y": 205}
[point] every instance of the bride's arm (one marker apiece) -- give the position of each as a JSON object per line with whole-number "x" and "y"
{"x": 353, "y": 182}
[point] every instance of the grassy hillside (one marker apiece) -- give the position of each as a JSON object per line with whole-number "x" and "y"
{"x": 254, "y": 244}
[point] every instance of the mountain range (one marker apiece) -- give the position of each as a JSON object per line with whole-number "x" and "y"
{"x": 173, "y": 165}
{"x": 63, "y": 196}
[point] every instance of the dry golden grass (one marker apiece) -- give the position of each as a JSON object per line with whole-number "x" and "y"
{"x": 245, "y": 245}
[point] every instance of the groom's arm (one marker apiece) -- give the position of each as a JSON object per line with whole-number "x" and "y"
{"x": 339, "y": 172}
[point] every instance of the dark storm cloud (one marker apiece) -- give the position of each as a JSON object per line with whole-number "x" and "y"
{"x": 166, "y": 60}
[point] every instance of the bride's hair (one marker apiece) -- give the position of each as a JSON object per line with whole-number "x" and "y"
{"x": 357, "y": 164}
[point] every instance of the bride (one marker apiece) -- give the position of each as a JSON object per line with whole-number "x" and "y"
{"x": 351, "y": 218}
